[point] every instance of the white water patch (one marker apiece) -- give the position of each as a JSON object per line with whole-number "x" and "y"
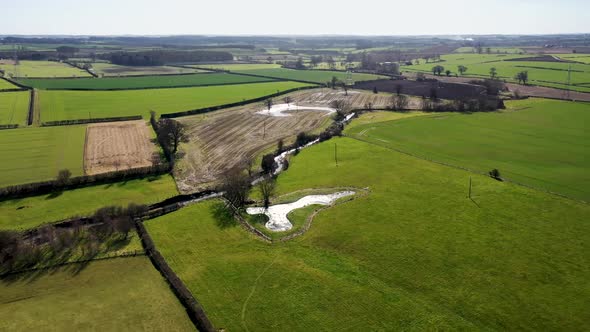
{"x": 279, "y": 109}
{"x": 277, "y": 214}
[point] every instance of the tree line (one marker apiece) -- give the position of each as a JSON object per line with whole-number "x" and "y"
{"x": 161, "y": 57}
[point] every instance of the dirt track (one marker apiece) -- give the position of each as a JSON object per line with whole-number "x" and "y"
{"x": 117, "y": 146}
{"x": 222, "y": 140}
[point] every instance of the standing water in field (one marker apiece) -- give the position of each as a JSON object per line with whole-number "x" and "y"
{"x": 277, "y": 214}
{"x": 279, "y": 109}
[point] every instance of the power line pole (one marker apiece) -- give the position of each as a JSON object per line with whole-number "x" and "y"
{"x": 470, "y": 187}
{"x": 336, "y": 153}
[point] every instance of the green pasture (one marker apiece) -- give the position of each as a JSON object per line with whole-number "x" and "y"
{"x": 69, "y": 105}
{"x": 317, "y": 76}
{"x": 541, "y": 143}
{"x": 27, "y": 68}
{"x": 107, "y": 69}
{"x": 14, "y": 108}
{"x": 123, "y": 294}
{"x": 509, "y": 50}
{"x": 550, "y": 74}
{"x": 142, "y": 81}
{"x": 238, "y": 66}
{"x": 5, "y": 85}
{"x": 29, "y": 212}
{"x": 38, "y": 154}
{"x": 414, "y": 254}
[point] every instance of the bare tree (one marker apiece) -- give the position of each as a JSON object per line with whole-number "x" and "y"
{"x": 171, "y": 133}
{"x": 399, "y": 103}
{"x": 288, "y": 100}
{"x": 267, "y": 188}
{"x": 398, "y": 89}
{"x": 268, "y": 103}
{"x": 235, "y": 186}
{"x": 342, "y": 108}
{"x": 63, "y": 177}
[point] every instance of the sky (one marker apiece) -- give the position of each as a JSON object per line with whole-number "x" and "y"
{"x": 300, "y": 17}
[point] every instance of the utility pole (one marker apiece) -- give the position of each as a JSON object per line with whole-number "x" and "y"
{"x": 336, "y": 153}
{"x": 264, "y": 129}
{"x": 470, "y": 187}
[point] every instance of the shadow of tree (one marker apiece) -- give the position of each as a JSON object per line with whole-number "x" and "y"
{"x": 54, "y": 195}
{"x": 223, "y": 216}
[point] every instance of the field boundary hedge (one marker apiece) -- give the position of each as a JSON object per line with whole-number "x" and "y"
{"x": 45, "y": 187}
{"x": 31, "y": 108}
{"x": 84, "y": 69}
{"x": 240, "y": 103}
{"x": 193, "y": 307}
{"x": 95, "y": 120}
{"x": 8, "y": 126}
{"x": 22, "y": 87}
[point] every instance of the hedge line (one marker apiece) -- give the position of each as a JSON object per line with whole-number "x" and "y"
{"x": 95, "y": 120}
{"x": 4, "y": 127}
{"x": 13, "y": 82}
{"x": 240, "y": 103}
{"x": 45, "y": 187}
{"x": 31, "y": 115}
{"x": 193, "y": 308}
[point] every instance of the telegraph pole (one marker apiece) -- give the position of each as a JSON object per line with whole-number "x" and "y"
{"x": 336, "y": 153}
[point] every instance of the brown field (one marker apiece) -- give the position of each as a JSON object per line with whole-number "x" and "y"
{"x": 222, "y": 140}
{"x": 118, "y": 146}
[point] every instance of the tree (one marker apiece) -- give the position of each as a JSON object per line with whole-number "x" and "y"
{"x": 495, "y": 173}
{"x": 280, "y": 146}
{"x": 462, "y": 69}
{"x": 268, "y": 165}
{"x": 493, "y": 73}
{"x": 171, "y": 133}
{"x": 488, "y": 50}
{"x": 344, "y": 87}
{"x": 342, "y": 108}
{"x": 235, "y": 186}
{"x": 299, "y": 64}
{"x": 334, "y": 82}
{"x": 63, "y": 177}
{"x": 288, "y": 100}
{"x": 315, "y": 60}
{"x": 522, "y": 77}
{"x": 433, "y": 93}
{"x": 331, "y": 62}
{"x": 268, "y": 103}
{"x": 437, "y": 70}
{"x": 267, "y": 188}
{"x": 399, "y": 102}
{"x": 375, "y": 90}
{"x": 448, "y": 72}
{"x": 398, "y": 89}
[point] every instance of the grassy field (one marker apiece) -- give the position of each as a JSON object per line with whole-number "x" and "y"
{"x": 38, "y": 154}
{"x": 108, "y": 69}
{"x": 142, "y": 82}
{"x": 415, "y": 254}
{"x": 67, "y": 105}
{"x": 5, "y": 85}
{"x": 29, "y": 212}
{"x": 542, "y": 143}
{"x": 41, "y": 69}
{"x": 14, "y": 107}
{"x": 550, "y": 74}
{"x": 125, "y": 294}
{"x": 509, "y": 50}
{"x": 317, "y": 76}
{"x": 238, "y": 66}
{"x": 585, "y": 58}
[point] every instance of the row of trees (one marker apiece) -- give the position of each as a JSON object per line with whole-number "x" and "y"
{"x": 161, "y": 57}
{"x": 170, "y": 133}
{"x": 522, "y": 77}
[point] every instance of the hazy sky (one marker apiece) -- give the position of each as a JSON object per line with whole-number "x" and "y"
{"x": 384, "y": 17}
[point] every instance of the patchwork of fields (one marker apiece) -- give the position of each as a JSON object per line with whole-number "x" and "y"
{"x": 395, "y": 259}
{"x": 108, "y": 69}
{"x": 551, "y": 74}
{"x": 541, "y": 143}
{"x": 142, "y": 82}
{"x": 71, "y": 105}
{"x": 14, "y": 108}
{"x": 6, "y": 85}
{"x": 116, "y": 294}
{"x": 38, "y": 154}
{"x": 316, "y": 76}
{"x": 41, "y": 69}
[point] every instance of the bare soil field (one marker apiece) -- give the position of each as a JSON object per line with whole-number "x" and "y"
{"x": 222, "y": 140}
{"x": 118, "y": 146}
{"x": 444, "y": 90}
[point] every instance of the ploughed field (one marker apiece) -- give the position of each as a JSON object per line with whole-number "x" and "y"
{"x": 141, "y": 82}
{"x": 222, "y": 140}
{"x": 415, "y": 253}
{"x": 124, "y": 294}
{"x": 444, "y": 90}
{"x": 108, "y": 69}
{"x": 74, "y": 105}
{"x": 14, "y": 107}
{"x": 316, "y": 76}
{"x": 541, "y": 143}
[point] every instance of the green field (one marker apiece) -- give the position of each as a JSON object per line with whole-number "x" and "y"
{"x": 513, "y": 50}
{"x": 124, "y": 294}
{"x": 5, "y": 85}
{"x": 415, "y": 254}
{"x": 107, "y": 69}
{"x": 29, "y": 212}
{"x": 42, "y": 69}
{"x": 142, "y": 82}
{"x": 38, "y": 154}
{"x": 541, "y": 143}
{"x": 585, "y": 58}
{"x": 68, "y": 105}
{"x": 317, "y": 76}
{"x": 550, "y": 74}
{"x": 14, "y": 107}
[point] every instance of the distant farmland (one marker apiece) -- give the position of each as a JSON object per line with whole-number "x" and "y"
{"x": 37, "y": 154}
{"x": 70, "y": 105}
{"x": 317, "y": 76}
{"x": 108, "y": 69}
{"x": 41, "y": 69}
{"x": 142, "y": 82}
{"x": 5, "y": 85}
{"x": 14, "y": 108}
